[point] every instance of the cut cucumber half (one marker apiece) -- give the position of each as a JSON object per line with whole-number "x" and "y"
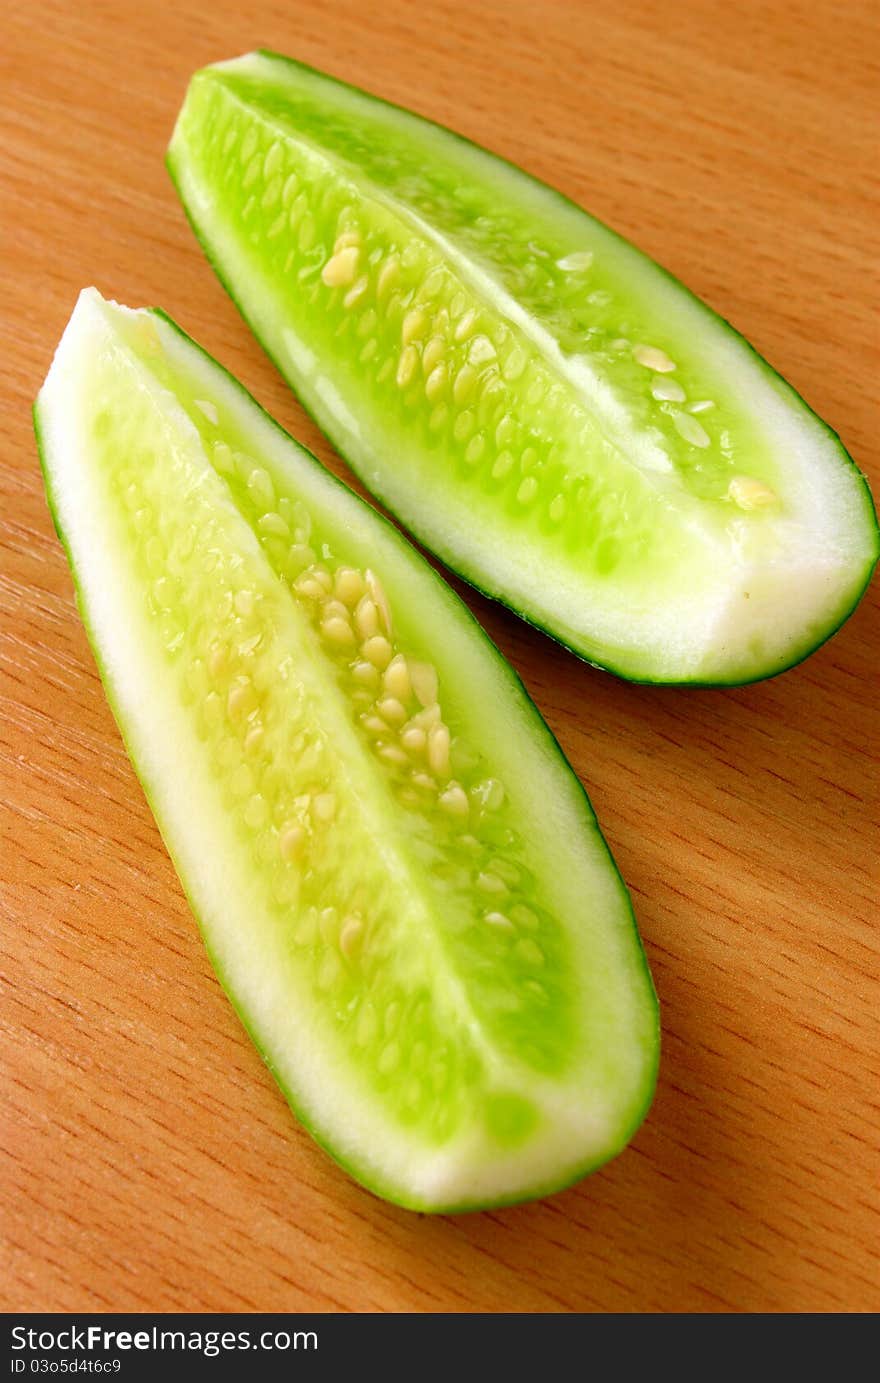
{"x": 542, "y": 405}
{"x": 398, "y": 877}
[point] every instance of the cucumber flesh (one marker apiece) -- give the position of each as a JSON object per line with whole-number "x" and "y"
{"x": 547, "y": 409}
{"x": 398, "y": 877}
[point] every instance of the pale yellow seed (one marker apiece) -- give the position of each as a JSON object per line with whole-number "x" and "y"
{"x": 377, "y": 591}
{"x": 366, "y": 618}
{"x": 701, "y": 406}
{"x": 392, "y": 711}
{"x": 668, "y": 391}
{"x": 209, "y": 409}
{"x": 388, "y": 275}
{"x": 490, "y": 883}
{"x": 529, "y": 951}
{"x": 434, "y": 283}
{"x": 259, "y": 483}
{"x": 347, "y": 239}
{"x": 348, "y": 586}
{"x": 254, "y": 738}
{"x": 247, "y": 646}
{"x": 273, "y": 525}
{"x": 327, "y": 925}
{"x": 392, "y": 755}
{"x": 438, "y": 750}
{"x": 424, "y": 683}
{"x": 299, "y": 556}
{"x": 514, "y": 363}
{"x": 576, "y": 263}
{"x": 466, "y": 325}
{"x": 355, "y": 293}
{"x": 453, "y": 800}
{"x": 374, "y": 726}
{"x": 465, "y": 383}
{"x": 475, "y": 448}
{"x": 351, "y": 936}
{"x": 481, "y": 351}
{"x": 241, "y": 700}
{"x": 367, "y": 324}
{"x": 307, "y": 585}
{"x": 438, "y": 418}
{"x": 435, "y": 384}
{"x": 691, "y": 430}
{"x": 341, "y": 268}
{"x": 413, "y": 739}
{"x": 431, "y": 715}
{"x": 223, "y": 461}
{"x": 414, "y": 326}
{"x": 750, "y": 493}
{"x": 329, "y": 970}
{"x": 653, "y": 358}
{"x": 217, "y": 660}
{"x": 272, "y": 161}
{"x": 323, "y": 577}
{"x": 377, "y": 651}
{"x": 433, "y": 354}
{"x": 244, "y": 602}
{"x": 527, "y": 490}
{"x": 499, "y": 921}
{"x": 365, "y": 674}
{"x": 367, "y": 1025}
{"x": 424, "y": 782}
{"x": 406, "y": 367}
{"x": 557, "y": 508}
{"x": 291, "y": 840}
{"x": 464, "y": 425}
{"x": 213, "y": 710}
{"x": 396, "y": 678}
{"x": 335, "y": 609}
{"x": 324, "y": 806}
{"x": 389, "y": 1059}
{"x": 338, "y": 632}
{"x": 506, "y": 870}
{"x": 525, "y": 917}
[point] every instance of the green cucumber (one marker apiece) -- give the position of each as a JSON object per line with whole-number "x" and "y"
{"x": 563, "y": 423}
{"x": 399, "y": 879}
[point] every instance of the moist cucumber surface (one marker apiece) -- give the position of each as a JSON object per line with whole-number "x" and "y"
{"x": 398, "y": 877}
{"x": 547, "y": 409}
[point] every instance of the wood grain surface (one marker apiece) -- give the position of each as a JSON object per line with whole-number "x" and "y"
{"x": 148, "y": 1160}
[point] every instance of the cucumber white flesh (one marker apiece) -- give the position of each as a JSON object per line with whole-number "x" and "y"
{"x": 547, "y": 409}
{"x": 398, "y": 877}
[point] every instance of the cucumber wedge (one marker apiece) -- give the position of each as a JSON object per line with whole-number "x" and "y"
{"x": 399, "y": 879}
{"x": 542, "y": 405}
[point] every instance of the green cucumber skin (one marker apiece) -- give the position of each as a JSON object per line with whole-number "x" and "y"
{"x": 473, "y": 577}
{"x": 386, "y": 1191}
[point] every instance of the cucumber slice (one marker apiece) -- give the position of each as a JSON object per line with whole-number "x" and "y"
{"x": 548, "y": 410}
{"x": 399, "y": 879}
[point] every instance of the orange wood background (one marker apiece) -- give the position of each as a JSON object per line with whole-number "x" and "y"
{"x": 148, "y": 1160}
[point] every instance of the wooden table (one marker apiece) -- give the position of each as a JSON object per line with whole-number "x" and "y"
{"x": 149, "y": 1162}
